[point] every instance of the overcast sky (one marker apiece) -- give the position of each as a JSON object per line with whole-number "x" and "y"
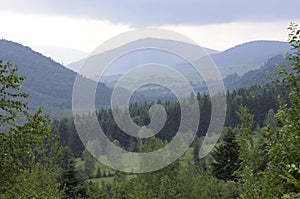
{"x": 83, "y": 25}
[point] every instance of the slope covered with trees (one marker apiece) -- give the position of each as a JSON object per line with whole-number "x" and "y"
{"x": 260, "y": 76}
{"x": 257, "y": 157}
{"x": 49, "y": 83}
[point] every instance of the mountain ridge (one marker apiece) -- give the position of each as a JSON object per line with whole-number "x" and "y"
{"x": 75, "y": 66}
{"x": 50, "y": 84}
{"x": 238, "y": 59}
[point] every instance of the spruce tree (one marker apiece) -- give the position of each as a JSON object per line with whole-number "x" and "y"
{"x": 226, "y": 157}
{"x": 72, "y": 184}
{"x": 98, "y": 174}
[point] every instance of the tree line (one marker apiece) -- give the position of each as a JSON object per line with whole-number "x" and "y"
{"x": 258, "y": 99}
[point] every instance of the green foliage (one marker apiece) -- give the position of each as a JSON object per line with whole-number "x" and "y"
{"x": 28, "y": 149}
{"x": 226, "y": 157}
{"x": 196, "y": 145}
{"x": 120, "y": 186}
{"x": 11, "y": 101}
{"x": 71, "y": 182}
{"x": 195, "y": 184}
{"x": 279, "y": 176}
{"x": 89, "y": 164}
{"x": 251, "y": 156}
{"x": 257, "y": 99}
{"x": 283, "y": 174}
{"x": 98, "y": 174}
{"x": 249, "y": 163}
{"x": 270, "y": 120}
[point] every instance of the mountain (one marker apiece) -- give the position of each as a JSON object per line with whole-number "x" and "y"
{"x": 137, "y": 57}
{"x": 259, "y": 76}
{"x": 256, "y": 77}
{"x": 239, "y": 59}
{"x": 236, "y": 60}
{"x": 244, "y": 64}
{"x": 248, "y": 56}
{"x": 210, "y": 51}
{"x": 49, "y": 83}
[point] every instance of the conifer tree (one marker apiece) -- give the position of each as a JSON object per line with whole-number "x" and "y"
{"x": 226, "y": 157}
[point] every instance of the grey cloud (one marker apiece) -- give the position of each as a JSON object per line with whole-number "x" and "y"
{"x": 162, "y": 12}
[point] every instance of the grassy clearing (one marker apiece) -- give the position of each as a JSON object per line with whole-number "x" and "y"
{"x": 103, "y": 168}
{"x": 128, "y": 162}
{"x": 109, "y": 180}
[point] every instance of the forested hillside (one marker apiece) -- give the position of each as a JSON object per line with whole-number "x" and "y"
{"x": 260, "y": 76}
{"x": 258, "y": 99}
{"x": 256, "y": 157}
{"x": 49, "y": 83}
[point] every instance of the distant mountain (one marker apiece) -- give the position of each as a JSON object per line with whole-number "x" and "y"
{"x": 251, "y": 52}
{"x": 49, "y": 83}
{"x": 256, "y": 77}
{"x": 237, "y": 60}
{"x": 132, "y": 59}
{"x": 251, "y": 58}
{"x": 248, "y": 56}
{"x": 75, "y": 66}
{"x": 210, "y": 51}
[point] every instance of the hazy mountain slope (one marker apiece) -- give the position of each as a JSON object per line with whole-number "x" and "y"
{"x": 248, "y": 56}
{"x": 259, "y": 76}
{"x": 50, "y": 84}
{"x": 239, "y": 59}
{"x": 144, "y": 56}
{"x": 251, "y": 52}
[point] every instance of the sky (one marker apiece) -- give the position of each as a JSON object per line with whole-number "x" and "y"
{"x": 84, "y": 24}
